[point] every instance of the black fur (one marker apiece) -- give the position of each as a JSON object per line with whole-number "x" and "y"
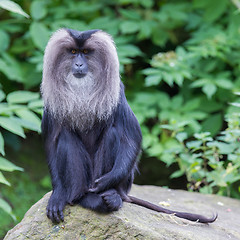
{"x": 80, "y": 37}
{"x": 94, "y": 168}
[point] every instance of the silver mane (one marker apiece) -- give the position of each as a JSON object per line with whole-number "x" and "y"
{"x": 80, "y": 101}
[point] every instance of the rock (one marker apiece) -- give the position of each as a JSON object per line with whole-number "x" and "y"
{"x": 134, "y": 222}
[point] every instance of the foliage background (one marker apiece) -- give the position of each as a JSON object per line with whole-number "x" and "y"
{"x": 180, "y": 63}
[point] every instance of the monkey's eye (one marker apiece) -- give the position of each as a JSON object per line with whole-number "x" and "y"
{"x": 85, "y": 51}
{"x": 73, "y": 51}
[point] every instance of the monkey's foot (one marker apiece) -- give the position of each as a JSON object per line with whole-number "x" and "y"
{"x": 112, "y": 199}
{"x": 55, "y": 209}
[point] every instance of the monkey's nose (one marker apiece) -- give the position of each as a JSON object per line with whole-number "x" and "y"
{"x": 79, "y": 64}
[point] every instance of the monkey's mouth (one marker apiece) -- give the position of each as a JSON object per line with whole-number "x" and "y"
{"x": 79, "y": 74}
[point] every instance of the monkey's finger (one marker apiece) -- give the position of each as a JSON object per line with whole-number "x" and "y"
{"x": 55, "y": 214}
{"x": 70, "y": 203}
{"x": 108, "y": 193}
{"x": 61, "y": 216}
{"x": 93, "y": 190}
{"x": 60, "y": 210}
{"x": 50, "y": 215}
{"x": 97, "y": 180}
{"x": 56, "y": 217}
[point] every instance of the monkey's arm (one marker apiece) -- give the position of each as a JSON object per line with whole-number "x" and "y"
{"x": 67, "y": 162}
{"x": 57, "y": 201}
{"x": 128, "y": 141}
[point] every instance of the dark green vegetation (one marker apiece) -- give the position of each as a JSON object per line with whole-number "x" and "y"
{"x": 180, "y": 62}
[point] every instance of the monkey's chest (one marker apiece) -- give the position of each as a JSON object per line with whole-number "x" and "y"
{"x": 91, "y": 141}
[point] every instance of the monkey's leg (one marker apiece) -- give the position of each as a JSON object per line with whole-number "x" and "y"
{"x": 69, "y": 167}
{"x": 58, "y": 199}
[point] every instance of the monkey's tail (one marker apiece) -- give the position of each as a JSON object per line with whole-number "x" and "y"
{"x": 185, "y": 215}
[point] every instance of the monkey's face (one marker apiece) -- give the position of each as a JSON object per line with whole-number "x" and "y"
{"x": 79, "y": 58}
{"x": 80, "y": 52}
{"x": 79, "y": 62}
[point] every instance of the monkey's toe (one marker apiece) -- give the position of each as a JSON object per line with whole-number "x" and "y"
{"x": 112, "y": 199}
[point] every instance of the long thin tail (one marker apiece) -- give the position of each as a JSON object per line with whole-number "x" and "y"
{"x": 185, "y": 215}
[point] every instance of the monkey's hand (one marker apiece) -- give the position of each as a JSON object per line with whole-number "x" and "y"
{"x": 55, "y": 208}
{"x": 101, "y": 184}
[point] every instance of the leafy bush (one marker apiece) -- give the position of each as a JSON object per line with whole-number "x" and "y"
{"x": 211, "y": 165}
{"x": 15, "y": 115}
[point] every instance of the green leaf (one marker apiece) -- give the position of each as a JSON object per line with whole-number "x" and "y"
{"x": 194, "y": 144}
{"x": 36, "y": 104}
{"x": 159, "y": 36}
{"x": 147, "y": 3}
{"x": 129, "y": 27}
{"x": 148, "y": 140}
{"x": 178, "y": 79}
{"x": 177, "y": 102}
{"x": 129, "y": 50}
{"x": 177, "y": 174}
{"x": 164, "y": 101}
{"x": 209, "y": 89}
{"x": 155, "y": 150}
{"x": 224, "y": 83}
{"x": 8, "y": 109}
{"x": 153, "y": 80}
{"x": 5, "y": 165}
{"x": 145, "y": 30}
{"x": 168, "y": 78}
{"x": 237, "y": 93}
{"x": 12, "y": 7}
{"x": 7, "y": 208}
{"x": 214, "y": 9}
{"x": 182, "y": 136}
{"x": 38, "y": 10}
{"x": 151, "y": 71}
{"x": 70, "y": 23}
{"x": 130, "y": 14}
{"x": 30, "y": 117}
{"x": 11, "y": 125}
{"x": 196, "y": 115}
{"x": 213, "y": 124}
{"x": 191, "y": 105}
{"x": 22, "y": 97}
{"x": 11, "y": 67}
{"x": 235, "y": 104}
{"x": 4, "y": 41}
{"x": 27, "y": 124}
{"x": 2, "y": 144}
{"x": 2, "y": 95}
{"x": 210, "y": 106}
{"x": 224, "y": 148}
{"x": 4, "y": 180}
{"x": 203, "y": 136}
{"x": 199, "y": 83}
{"x": 40, "y": 34}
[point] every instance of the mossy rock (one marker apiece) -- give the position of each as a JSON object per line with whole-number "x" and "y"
{"x": 134, "y": 222}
